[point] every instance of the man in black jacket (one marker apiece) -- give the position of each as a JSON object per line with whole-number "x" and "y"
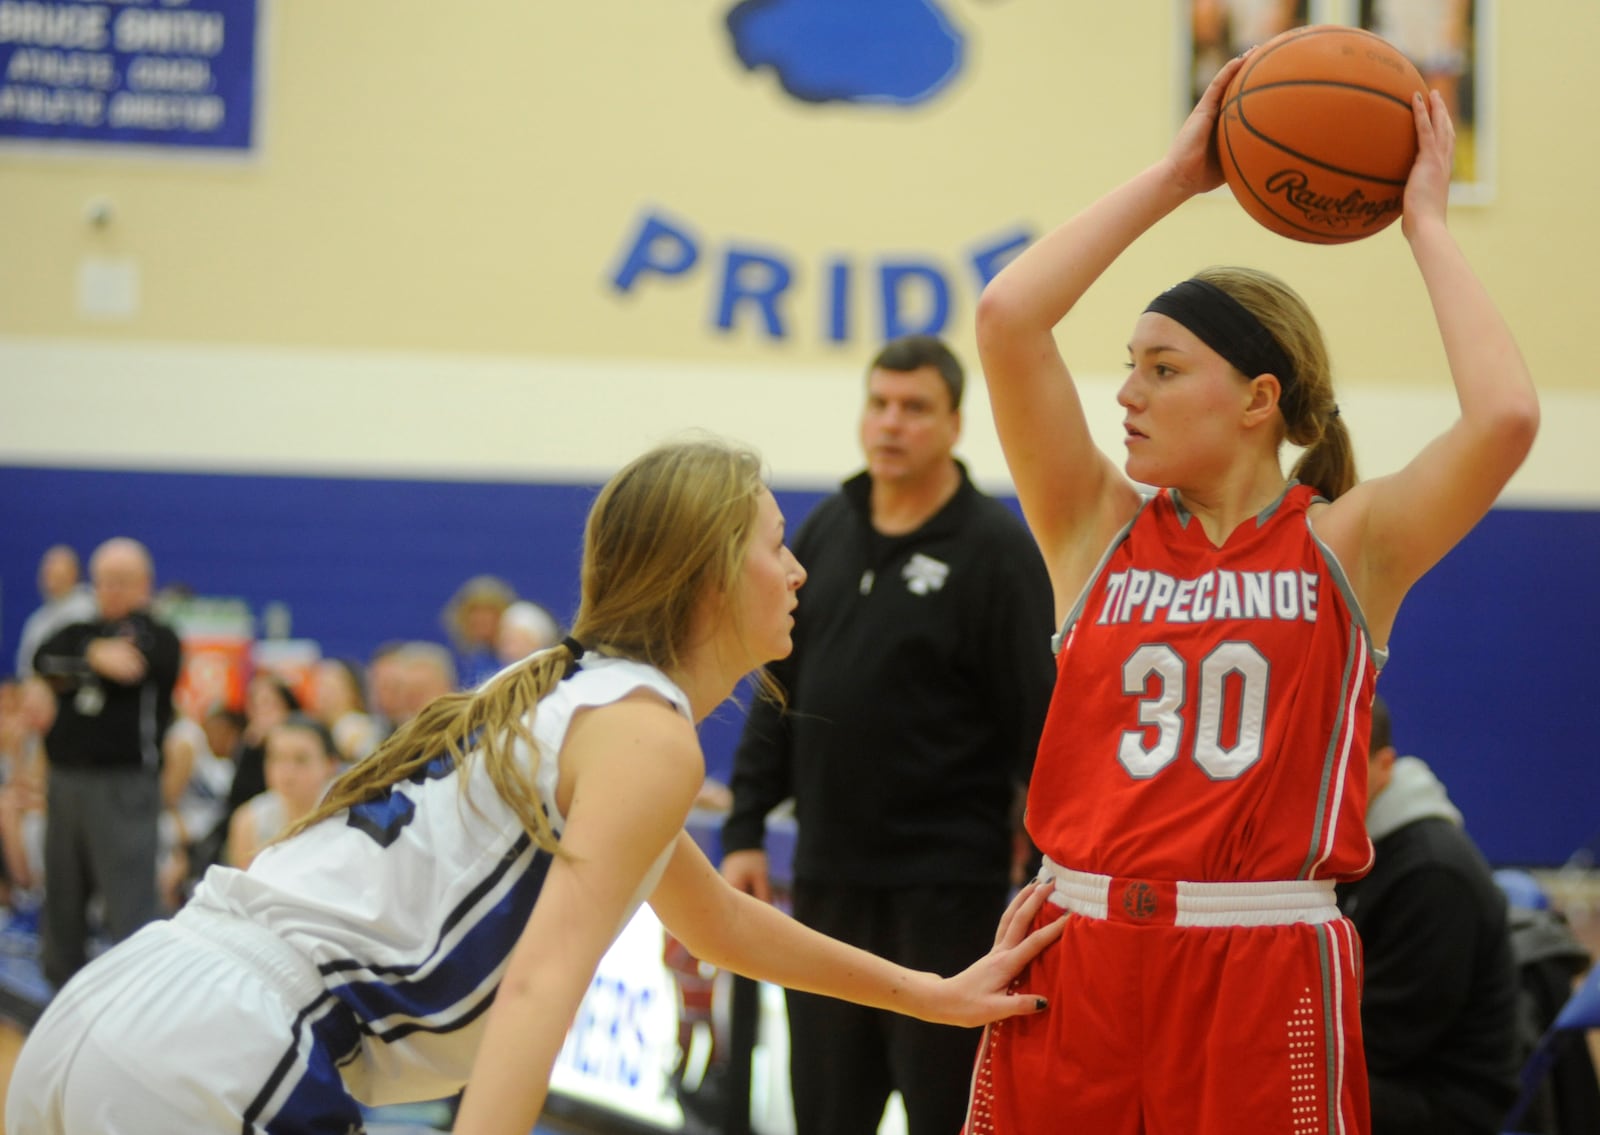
{"x": 113, "y": 678}
{"x": 917, "y": 689}
{"x": 1440, "y": 998}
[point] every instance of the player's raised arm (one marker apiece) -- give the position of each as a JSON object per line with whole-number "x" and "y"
{"x": 1392, "y": 529}
{"x": 1074, "y": 496}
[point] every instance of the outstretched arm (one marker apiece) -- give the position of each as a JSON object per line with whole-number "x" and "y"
{"x": 1075, "y": 497}
{"x": 733, "y": 931}
{"x": 636, "y": 767}
{"x": 1391, "y": 530}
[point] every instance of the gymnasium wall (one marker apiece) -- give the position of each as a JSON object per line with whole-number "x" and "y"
{"x": 473, "y": 262}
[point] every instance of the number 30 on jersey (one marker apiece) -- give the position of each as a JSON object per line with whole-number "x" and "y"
{"x": 1159, "y": 677}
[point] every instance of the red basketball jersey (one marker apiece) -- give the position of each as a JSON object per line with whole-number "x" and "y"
{"x": 1211, "y": 710}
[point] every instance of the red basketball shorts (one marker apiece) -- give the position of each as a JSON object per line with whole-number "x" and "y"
{"x": 1196, "y": 1029}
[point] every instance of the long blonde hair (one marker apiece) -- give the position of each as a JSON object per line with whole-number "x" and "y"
{"x": 1310, "y": 414}
{"x": 670, "y": 528}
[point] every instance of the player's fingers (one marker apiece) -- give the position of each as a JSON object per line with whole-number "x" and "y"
{"x": 1422, "y": 113}
{"x": 1028, "y": 949}
{"x": 1224, "y": 76}
{"x": 1018, "y": 1004}
{"x": 1440, "y": 114}
{"x": 1019, "y": 914}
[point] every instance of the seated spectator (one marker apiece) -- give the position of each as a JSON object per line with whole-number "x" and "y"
{"x": 341, "y": 705}
{"x": 1439, "y": 1007}
{"x": 385, "y": 687}
{"x": 301, "y": 762}
{"x": 268, "y": 702}
{"x": 196, "y": 776}
{"x": 472, "y": 620}
{"x": 426, "y": 670}
{"x": 26, "y": 710}
{"x": 525, "y": 627}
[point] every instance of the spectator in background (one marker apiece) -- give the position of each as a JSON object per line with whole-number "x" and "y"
{"x": 385, "y": 687}
{"x": 268, "y": 701}
{"x": 525, "y": 627}
{"x": 917, "y": 689}
{"x": 426, "y": 670}
{"x": 27, "y": 709}
{"x": 340, "y": 704}
{"x": 301, "y": 762}
{"x": 472, "y": 620}
{"x": 440, "y": 915}
{"x": 113, "y": 678}
{"x": 1439, "y": 1004}
{"x": 66, "y": 601}
{"x": 195, "y": 781}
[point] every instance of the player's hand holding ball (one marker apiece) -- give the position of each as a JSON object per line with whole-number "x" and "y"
{"x": 1318, "y": 133}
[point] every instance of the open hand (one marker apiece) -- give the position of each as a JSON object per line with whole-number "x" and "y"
{"x": 1193, "y": 153}
{"x": 982, "y": 992}
{"x": 1428, "y": 186}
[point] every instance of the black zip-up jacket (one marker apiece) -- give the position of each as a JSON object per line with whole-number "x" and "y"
{"x": 917, "y": 689}
{"x": 101, "y": 724}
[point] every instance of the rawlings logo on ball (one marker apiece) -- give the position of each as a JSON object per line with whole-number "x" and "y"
{"x": 1316, "y": 134}
{"x": 1337, "y": 214}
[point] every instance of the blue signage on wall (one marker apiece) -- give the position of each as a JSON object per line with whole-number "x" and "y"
{"x": 164, "y": 73}
{"x": 751, "y": 283}
{"x": 852, "y": 51}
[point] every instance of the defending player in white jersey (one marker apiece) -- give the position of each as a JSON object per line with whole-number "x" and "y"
{"x": 442, "y": 912}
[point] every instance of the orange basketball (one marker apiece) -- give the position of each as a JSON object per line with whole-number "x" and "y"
{"x": 1316, "y": 133}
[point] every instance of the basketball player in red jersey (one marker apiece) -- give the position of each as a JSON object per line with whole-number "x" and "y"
{"x": 1200, "y": 784}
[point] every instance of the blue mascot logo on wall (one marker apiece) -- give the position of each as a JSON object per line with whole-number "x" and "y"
{"x": 862, "y": 53}
{"x": 854, "y": 51}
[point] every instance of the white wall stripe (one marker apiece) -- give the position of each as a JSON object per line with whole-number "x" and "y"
{"x": 187, "y": 407}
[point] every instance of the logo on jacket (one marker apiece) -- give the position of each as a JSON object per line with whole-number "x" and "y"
{"x": 924, "y": 575}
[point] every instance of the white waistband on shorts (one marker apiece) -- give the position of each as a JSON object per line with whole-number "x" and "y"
{"x": 1274, "y": 903}
{"x": 255, "y": 946}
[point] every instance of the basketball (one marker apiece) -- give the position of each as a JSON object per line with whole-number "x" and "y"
{"x": 1316, "y": 133}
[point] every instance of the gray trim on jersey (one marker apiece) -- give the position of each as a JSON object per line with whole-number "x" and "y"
{"x": 1266, "y": 514}
{"x": 1379, "y": 655}
{"x": 1360, "y": 638}
{"x": 1330, "y": 758}
{"x": 1332, "y": 1060}
{"x": 1083, "y": 596}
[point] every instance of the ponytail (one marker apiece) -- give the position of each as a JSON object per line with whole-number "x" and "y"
{"x": 492, "y": 718}
{"x": 1329, "y": 463}
{"x": 1310, "y": 415}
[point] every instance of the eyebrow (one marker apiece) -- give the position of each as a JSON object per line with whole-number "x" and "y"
{"x": 1157, "y": 349}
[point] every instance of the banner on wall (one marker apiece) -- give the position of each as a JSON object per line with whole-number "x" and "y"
{"x": 170, "y": 74}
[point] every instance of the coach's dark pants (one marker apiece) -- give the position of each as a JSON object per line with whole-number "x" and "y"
{"x": 844, "y": 1059}
{"x": 99, "y": 838}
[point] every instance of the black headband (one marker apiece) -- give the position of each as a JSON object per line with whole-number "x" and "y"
{"x": 1227, "y": 327}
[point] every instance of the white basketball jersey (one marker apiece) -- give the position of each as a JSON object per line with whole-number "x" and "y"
{"x": 409, "y": 905}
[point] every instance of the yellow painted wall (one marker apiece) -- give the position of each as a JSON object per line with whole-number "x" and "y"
{"x": 452, "y": 181}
